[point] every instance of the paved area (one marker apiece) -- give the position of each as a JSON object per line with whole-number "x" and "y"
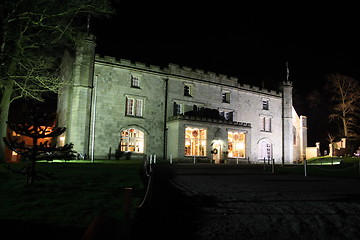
{"x": 245, "y": 202}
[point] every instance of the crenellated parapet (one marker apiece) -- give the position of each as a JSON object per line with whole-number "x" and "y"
{"x": 128, "y": 63}
{"x": 175, "y": 70}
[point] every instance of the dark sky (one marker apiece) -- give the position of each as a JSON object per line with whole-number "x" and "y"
{"x": 247, "y": 42}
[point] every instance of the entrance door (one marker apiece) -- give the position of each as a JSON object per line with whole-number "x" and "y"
{"x": 216, "y": 149}
{"x": 265, "y": 150}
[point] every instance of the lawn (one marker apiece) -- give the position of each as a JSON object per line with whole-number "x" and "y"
{"x": 325, "y": 166}
{"x": 73, "y": 196}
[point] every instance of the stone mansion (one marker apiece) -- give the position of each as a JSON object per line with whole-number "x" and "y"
{"x": 174, "y": 112}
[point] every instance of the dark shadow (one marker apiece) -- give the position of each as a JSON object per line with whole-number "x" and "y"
{"x": 167, "y": 213}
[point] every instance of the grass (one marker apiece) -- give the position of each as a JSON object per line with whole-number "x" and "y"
{"x": 326, "y": 166}
{"x": 77, "y": 193}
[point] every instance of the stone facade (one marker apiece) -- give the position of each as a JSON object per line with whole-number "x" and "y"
{"x": 175, "y": 112}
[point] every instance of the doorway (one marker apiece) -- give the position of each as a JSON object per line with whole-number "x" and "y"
{"x": 216, "y": 152}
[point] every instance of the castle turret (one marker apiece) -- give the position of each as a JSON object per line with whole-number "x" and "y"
{"x": 74, "y": 105}
{"x": 287, "y": 122}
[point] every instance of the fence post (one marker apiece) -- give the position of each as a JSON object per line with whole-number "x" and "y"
{"x": 154, "y": 159}
{"x": 264, "y": 165}
{"x": 127, "y": 210}
{"x": 150, "y": 161}
{"x": 273, "y": 166}
{"x": 170, "y": 158}
{"x": 237, "y": 160}
{"x": 194, "y": 159}
{"x": 305, "y": 167}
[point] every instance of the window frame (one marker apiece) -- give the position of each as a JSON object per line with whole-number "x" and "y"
{"x": 265, "y": 103}
{"x": 132, "y": 140}
{"x": 187, "y": 90}
{"x": 136, "y": 108}
{"x": 135, "y": 81}
{"x": 199, "y": 141}
{"x": 265, "y": 123}
{"x": 232, "y": 144}
{"x": 226, "y": 96}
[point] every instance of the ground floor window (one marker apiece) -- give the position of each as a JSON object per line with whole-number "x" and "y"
{"x": 195, "y": 142}
{"x": 265, "y": 148}
{"x": 132, "y": 140}
{"x": 236, "y": 144}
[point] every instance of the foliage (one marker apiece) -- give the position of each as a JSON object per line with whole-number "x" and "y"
{"x": 33, "y": 37}
{"x": 37, "y": 126}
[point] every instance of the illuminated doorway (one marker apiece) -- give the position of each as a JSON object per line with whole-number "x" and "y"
{"x": 216, "y": 152}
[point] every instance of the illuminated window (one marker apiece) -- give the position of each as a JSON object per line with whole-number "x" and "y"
{"x": 134, "y": 107}
{"x": 132, "y": 140}
{"x": 61, "y": 141}
{"x": 236, "y": 144}
{"x": 15, "y": 134}
{"x": 195, "y": 142}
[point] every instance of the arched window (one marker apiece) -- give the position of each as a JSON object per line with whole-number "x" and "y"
{"x": 132, "y": 140}
{"x": 265, "y": 149}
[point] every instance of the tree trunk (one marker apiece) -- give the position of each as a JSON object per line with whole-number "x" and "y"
{"x": 345, "y": 127}
{"x": 4, "y": 114}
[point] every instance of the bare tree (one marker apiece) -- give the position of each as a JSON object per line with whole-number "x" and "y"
{"x": 33, "y": 36}
{"x": 346, "y": 103}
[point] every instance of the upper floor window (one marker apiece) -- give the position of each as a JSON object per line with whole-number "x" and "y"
{"x": 187, "y": 90}
{"x": 265, "y": 124}
{"x": 226, "y": 115}
{"x": 178, "y": 108}
{"x": 134, "y": 107}
{"x": 265, "y": 104}
{"x": 135, "y": 82}
{"x": 294, "y": 135}
{"x": 226, "y": 97}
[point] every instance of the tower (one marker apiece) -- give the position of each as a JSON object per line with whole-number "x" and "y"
{"x": 287, "y": 125}
{"x": 74, "y": 101}
{"x": 303, "y": 137}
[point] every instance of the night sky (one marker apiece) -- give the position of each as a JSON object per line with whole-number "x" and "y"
{"x": 247, "y": 42}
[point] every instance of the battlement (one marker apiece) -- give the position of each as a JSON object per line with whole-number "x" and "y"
{"x": 176, "y": 70}
{"x": 128, "y": 63}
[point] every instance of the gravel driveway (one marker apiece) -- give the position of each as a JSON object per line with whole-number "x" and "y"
{"x": 240, "y": 202}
